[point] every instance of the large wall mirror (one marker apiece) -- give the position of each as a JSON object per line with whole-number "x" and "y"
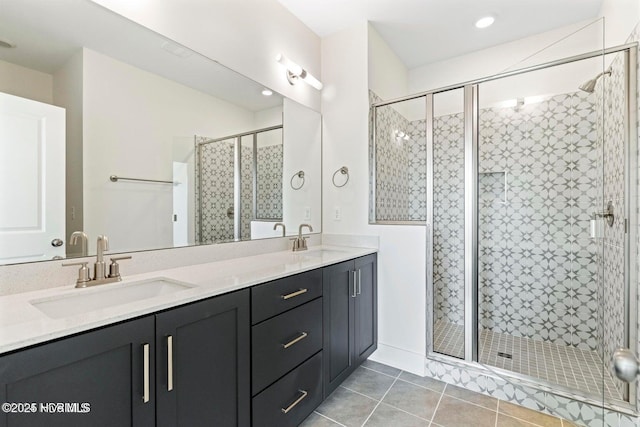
{"x": 109, "y": 128}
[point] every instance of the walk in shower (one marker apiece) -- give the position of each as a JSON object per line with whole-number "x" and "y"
{"x": 238, "y": 180}
{"x": 526, "y": 182}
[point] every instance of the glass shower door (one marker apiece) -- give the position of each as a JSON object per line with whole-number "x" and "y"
{"x": 540, "y": 178}
{"x": 447, "y": 151}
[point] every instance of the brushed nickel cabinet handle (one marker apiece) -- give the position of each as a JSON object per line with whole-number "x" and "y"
{"x": 145, "y": 373}
{"x": 359, "y": 281}
{"x": 353, "y": 294}
{"x": 295, "y": 294}
{"x": 169, "y": 363}
{"x": 298, "y": 400}
{"x": 302, "y": 336}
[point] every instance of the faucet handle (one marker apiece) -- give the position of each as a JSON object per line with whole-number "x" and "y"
{"x": 83, "y": 273}
{"x": 114, "y": 267}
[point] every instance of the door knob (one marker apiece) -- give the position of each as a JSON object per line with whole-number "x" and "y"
{"x": 625, "y": 365}
{"x": 56, "y": 243}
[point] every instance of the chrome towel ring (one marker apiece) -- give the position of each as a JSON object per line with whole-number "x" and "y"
{"x": 300, "y": 175}
{"x": 344, "y": 171}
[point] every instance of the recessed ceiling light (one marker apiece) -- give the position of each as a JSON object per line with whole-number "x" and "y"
{"x": 267, "y": 92}
{"x": 485, "y": 22}
{"x": 7, "y": 43}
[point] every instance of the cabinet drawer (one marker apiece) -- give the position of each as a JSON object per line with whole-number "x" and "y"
{"x": 284, "y": 294}
{"x": 298, "y": 393}
{"x": 283, "y": 342}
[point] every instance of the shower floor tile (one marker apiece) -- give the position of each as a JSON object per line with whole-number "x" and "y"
{"x": 570, "y": 367}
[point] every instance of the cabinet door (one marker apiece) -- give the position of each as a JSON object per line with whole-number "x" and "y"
{"x": 203, "y": 352}
{"x": 366, "y": 318}
{"x": 104, "y": 368}
{"x": 338, "y": 317}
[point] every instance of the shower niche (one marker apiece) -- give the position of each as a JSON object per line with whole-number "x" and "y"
{"x": 516, "y": 167}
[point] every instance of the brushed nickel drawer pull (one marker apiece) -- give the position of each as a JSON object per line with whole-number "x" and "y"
{"x": 145, "y": 373}
{"x": 359, "y": 281}
{"x": 355, "y": 280}
{"x": 302, "y": 336}
{"x": 169, "y": 363}
{"x": 295, "y": 294}
{"x": 298, "y": 400}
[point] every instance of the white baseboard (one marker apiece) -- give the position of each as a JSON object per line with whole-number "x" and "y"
{"x": 400, "y": 359}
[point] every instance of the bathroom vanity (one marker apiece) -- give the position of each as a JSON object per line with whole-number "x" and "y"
{"x": 259, "y": 341}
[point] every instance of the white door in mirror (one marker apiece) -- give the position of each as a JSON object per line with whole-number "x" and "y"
{"x": 32, "y": 180}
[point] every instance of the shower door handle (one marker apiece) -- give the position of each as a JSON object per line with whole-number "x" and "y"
{"x": 626, "y": 365}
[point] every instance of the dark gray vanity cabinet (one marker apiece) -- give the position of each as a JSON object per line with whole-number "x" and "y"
{"x": 350, "y": 317}
{"x": 287, "y": 339}
{"x": 187, "y": 366}
{"x": 262, "y": 356}
{"x": 110, "y": 369}
{"x": 203, "y": 363}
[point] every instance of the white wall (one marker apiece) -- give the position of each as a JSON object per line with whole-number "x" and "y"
{"x": 25, "y": 82}
{"x": 388, "y": 76}
{"x": 130, "y": 126}
{"x": 346, "y": 60}
{"x": 245, "y": 42}
{"x": 302, "y": 150}
{"x": 621, "y": 17}
{"x": 510, "y": 56}
{"x": 67, "y": 93}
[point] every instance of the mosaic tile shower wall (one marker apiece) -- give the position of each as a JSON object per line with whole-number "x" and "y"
{"x": 215, "y": 189}
{"x": 448, "y": 218}
{"x": 611, "y": 254}
{"x": 537, "y": 261}
{"x": 214, "y": 192}
{"x": 392, "y": 165}
{"x": 269, "y": 182}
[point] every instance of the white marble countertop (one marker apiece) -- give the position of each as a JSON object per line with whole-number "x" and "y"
{"x": 22, "y": 324}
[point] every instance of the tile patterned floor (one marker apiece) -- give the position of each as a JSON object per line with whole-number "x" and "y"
{"x": 377, "y": 395}
{"x": 571, "y": 367}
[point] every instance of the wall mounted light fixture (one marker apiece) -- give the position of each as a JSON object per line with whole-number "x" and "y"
{"x": 296, "y": 72}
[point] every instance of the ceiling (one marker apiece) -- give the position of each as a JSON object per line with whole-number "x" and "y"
{"x": 47, "y": 33}
{"x": 426, "y": 31}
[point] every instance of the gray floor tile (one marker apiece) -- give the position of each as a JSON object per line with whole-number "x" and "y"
{"x": 370, "y": 383}
{"x": 347, "y": 407}
{"x": 379, "y": 367}
{"x": 472, "y": 397}
{"x": 385, "y": 416}
{"x": 529, "y": 415}
{"x": 427, "y": 382}
{"x": 454, "y": 412}
{"x": 316, "y": 420}
{"x": 414, "y": 399}
{"x": 507, "y": 421}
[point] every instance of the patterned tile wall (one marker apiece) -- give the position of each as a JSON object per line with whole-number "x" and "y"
{"x": 392, "y": 164}
{"x": 269, "y": 182}
{"x": 216, "y": 189}
{"x": 610, "y": 92}
{"x": 215, "y": 192}
{"x": 537, "y": 261}
{"x": 448, "y": 218}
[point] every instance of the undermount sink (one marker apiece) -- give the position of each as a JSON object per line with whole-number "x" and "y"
{"x": 86, "y": 300}
{"x": 322, "y": 252}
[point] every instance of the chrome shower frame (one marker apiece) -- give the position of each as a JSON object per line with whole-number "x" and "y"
{"x": 470, "y": 360}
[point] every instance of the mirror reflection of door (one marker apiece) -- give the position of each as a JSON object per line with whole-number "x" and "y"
{"x": 32, "y": 180}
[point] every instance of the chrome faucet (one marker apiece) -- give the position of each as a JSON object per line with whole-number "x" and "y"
{"x": 100, "y": 276}
{"x": 300, "y": 243}
{"x": 284, "y": 228}
{"x": 82, "y": 236}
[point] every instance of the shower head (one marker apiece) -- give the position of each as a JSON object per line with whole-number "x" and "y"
{"x": 590, "y": 85}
